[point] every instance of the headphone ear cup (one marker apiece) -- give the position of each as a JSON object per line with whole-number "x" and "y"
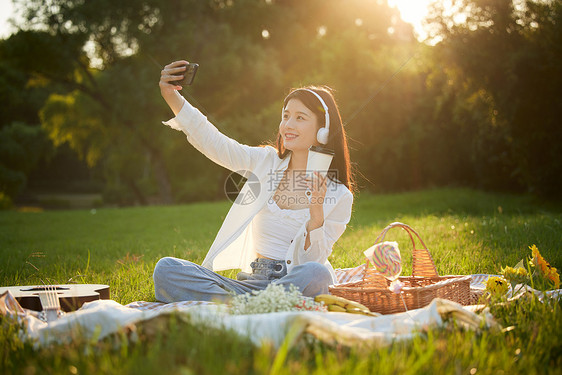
{"x": 322, "y": 135}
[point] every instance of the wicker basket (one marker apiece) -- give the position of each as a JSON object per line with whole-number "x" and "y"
{"x": 419, "y": 289}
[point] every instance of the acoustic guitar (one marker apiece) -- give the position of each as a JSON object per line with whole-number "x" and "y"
{"x": 69, "y": 297}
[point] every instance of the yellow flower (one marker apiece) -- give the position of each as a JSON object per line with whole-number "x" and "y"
{"x": 514, "y": 275}
{"x": 549, "y": 272}
{"x": 539, "y": 261}
{"x": 496, "y": 285}
{"x": 554, "y": 277}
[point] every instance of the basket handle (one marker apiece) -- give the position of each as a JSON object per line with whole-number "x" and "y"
{"x": 422, "y": 262}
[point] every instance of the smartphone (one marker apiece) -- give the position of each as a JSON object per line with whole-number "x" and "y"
{"x": 188, "y": 75}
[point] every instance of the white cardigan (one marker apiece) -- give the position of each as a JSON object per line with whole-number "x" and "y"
{"x": 233, "y": 246}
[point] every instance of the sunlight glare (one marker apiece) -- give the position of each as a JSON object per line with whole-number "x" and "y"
{"x": 412, "y": 12}
{"x": 6, "y": 11}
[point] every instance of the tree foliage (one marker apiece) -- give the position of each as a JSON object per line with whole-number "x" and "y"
{"x": 21, "y": 147}
{"x": 507, "y": 58}
{"x": 479, "y": 108}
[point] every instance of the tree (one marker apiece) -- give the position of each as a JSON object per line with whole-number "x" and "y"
{"x": 21, "y": 147}
{"x": 510, "y": 56}
{"x": 105, "y": 103}
{"x": 22, "y": 141}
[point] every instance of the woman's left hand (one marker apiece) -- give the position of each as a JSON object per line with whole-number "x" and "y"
{"x": 316, "y": 192}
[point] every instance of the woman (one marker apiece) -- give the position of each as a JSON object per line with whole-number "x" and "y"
{"x": 285, "y": 233}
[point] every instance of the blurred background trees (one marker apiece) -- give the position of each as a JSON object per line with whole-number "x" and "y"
{"x": 82, "y": 109}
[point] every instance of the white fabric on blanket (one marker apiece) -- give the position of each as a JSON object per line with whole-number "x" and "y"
{"x": 99, "y": 319}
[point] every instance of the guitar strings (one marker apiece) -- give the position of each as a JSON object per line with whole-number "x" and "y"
{"x": 51, "y": 301}
{"x": 55, "y": 297}
{"x": 51, "y": 297}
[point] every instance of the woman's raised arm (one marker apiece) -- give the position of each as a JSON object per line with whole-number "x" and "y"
{"x": 203, "y": 135}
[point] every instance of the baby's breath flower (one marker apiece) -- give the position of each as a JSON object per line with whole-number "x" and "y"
{"x": 273, "y": 298}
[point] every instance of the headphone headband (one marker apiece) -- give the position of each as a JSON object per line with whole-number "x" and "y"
{"x": 324, "y": 106}
{"x": 323, "y": 133}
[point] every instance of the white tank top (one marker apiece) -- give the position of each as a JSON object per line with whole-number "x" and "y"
{"x": 274, "y": 228}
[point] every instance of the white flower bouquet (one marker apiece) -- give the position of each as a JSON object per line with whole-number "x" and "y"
{"x": 274, "y": 298}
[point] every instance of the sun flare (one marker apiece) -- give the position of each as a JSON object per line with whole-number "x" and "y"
{"x": 413, "y": 12}
{"x": 6, "y": 10}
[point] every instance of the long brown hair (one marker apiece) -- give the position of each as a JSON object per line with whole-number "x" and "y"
{"x": 340, "y": 169}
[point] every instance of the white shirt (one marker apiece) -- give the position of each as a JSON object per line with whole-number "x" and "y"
{"x": 234, "y": 245}
{"x": 274, "y": 228}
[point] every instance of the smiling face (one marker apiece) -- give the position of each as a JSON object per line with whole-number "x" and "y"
{"x": 298, "y": 126}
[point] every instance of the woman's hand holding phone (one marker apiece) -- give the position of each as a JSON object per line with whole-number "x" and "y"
{"x": 317, "y": 186}
{"x": 169, "y": 76}
{"x": 172, "y": 73}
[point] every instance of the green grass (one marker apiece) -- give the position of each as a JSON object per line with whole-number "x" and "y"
{"x": 466, "y": 232}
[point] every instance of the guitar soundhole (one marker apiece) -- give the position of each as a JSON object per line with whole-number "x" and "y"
{"x": 46, "y": 288}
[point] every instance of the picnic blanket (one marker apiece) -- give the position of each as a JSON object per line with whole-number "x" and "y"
{"x": 102, "y": 318}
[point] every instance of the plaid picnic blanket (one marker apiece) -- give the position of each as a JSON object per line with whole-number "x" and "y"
{"x": 343, "y": 275}
{"x": 105, "y": 317}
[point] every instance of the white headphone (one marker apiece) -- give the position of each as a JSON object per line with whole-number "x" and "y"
{"x": 324, "y": 132}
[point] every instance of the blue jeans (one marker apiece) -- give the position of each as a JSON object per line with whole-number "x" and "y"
{"x": 181, "y": 280}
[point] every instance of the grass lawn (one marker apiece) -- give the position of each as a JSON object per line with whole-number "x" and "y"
{"x": 466, "y": 231}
